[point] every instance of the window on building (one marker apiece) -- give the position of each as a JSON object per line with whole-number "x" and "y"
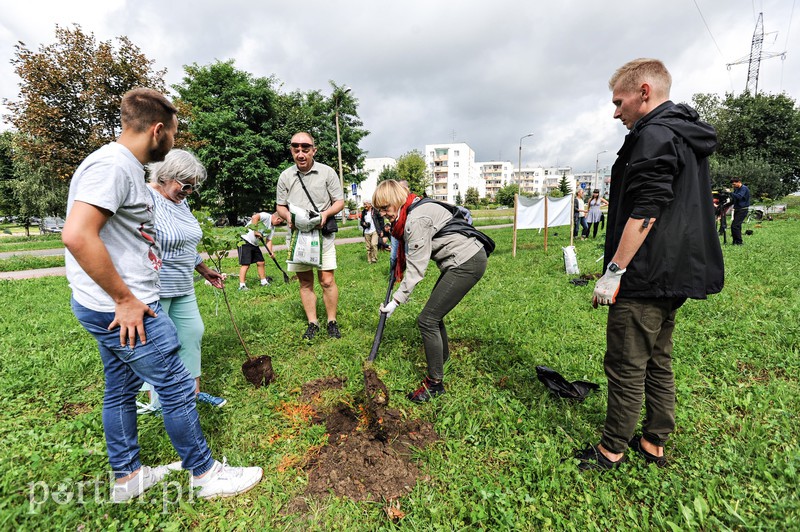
{"x": 455, "y": 175}
{"x": 455, "y": 153}
{"x": 455, "y": 164}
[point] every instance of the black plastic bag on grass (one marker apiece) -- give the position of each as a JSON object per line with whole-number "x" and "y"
{"x": 560, "y": 387}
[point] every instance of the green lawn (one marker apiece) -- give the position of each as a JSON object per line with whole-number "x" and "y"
{"x": 735, "y": 454}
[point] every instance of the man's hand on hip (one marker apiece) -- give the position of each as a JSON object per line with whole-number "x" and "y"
{"x": 129, "y": 317}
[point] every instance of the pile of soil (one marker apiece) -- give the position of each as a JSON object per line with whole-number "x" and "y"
{"x": 368, "y": 455}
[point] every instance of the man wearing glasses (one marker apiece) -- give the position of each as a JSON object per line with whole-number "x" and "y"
{"x": 314, "y": 186}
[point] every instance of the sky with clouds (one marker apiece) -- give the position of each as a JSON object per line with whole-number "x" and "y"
{"x": 434, "y": 71}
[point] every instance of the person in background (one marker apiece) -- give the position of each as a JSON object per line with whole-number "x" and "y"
{"x": 384, "y": 242}
{"x": 250, "y": 252}
{"x": 660, "y": 180}
{"x": 580, "y": 216}
{"x": 310, "y": 178}
{"x": 740, "y": 195}
{"x": 461, "y": 259}
{"x": 113, "y": 261}
{"x": 595, "y": 215}
{"x": 178, "y": 233}
{"x": 368, "y": 224}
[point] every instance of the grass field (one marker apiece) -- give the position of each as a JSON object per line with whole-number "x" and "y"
{"x": 735, "y": 454}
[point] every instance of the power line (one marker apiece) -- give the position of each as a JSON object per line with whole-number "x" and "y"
{"x": 707, "y": 28}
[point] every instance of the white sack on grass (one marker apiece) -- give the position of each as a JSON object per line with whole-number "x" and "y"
{"x": 571, "y": 260}
{"x": 304, "y": 219}
{"x": 305, "y": 248}
{"x": 530, "y": 212}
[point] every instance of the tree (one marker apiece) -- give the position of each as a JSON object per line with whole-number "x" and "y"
{"x": 388, "y": 172}
{"x": 563, "y": 186}
{"x": 69, "y": 106}
{"x": 472, "y": 199}
{"x": 459, "y": 201}
{"x": 230, "y": 123}
{"x": 505, "y": 196}
{"x": 411, "y": 167}
{"x": 758, "y": 139}
{"x": 8, "y": 203}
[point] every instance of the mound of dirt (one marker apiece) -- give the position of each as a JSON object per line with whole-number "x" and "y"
{"x": 368, "y": 455}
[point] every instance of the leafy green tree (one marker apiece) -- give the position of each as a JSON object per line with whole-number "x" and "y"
{"x": 505, "y": 196}
{"x": 758, "y": 139}
{"x": 69, "y": 107}
{"x": 8, "y": 203}
{"x": 411, "y": 167}
{"x": 230, "y": 125}
{"x": 472, "y": 198}
{"x": 388, "y": 172}
{"x": 459, "y": 201}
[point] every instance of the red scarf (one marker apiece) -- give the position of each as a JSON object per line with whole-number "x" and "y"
{"x": 398, "y": 231}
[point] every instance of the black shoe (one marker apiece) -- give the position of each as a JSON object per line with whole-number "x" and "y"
{"x": 312, "y": 330}
{"x": 591, "y": 458}
{"x": 428, "y": 390}
{"x": 333, "y": 330}
{"x": 636, "y": 445}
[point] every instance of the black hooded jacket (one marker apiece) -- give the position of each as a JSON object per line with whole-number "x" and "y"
{"x": 661, "y": 172}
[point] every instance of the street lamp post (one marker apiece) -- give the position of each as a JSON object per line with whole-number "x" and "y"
{"x": 596, "y": 169}
{"x": 519, "y": 162}
{"x": 338, "y": 138}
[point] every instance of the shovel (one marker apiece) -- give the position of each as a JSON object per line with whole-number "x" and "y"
{"x": 382, "y": 321}
{"x": 285, "y": 277}
{"x": 257, "y": 370}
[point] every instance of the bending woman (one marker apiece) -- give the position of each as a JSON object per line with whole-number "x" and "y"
{"x": 460, "y": 258}
{"x": 178, "y": 233}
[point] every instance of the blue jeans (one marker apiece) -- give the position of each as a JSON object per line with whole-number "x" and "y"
{"x": 125, "y": 369}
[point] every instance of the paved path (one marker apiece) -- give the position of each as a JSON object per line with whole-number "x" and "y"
{"x": 60, "y": 271}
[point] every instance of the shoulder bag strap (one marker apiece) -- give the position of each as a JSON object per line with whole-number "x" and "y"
{"x": 306, "y": 191}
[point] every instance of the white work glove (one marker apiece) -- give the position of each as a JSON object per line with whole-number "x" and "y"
{"x": 606, "y": 288}
{"x": 389, "y": 307}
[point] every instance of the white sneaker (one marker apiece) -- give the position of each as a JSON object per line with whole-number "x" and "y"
{"x": 223, "y": 480}
{"x": 141, "y": 482}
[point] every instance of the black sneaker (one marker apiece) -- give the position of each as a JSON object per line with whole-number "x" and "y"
{"x": 312, "y": 331}
{"x": 426, "y": 391}
{"x": 591, "y": 458}
{"x": 333, "y": 330}
{"x": 636, "y": 445}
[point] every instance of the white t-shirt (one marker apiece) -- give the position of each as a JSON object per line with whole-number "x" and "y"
{"x": 268, "y": 231}
{"x": 113, "y": 179}
{"x": 371, "y": 227}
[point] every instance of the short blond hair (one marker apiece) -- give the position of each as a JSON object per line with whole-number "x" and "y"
{"x": 632, "y": 74}
{"x": 389, "y": 192}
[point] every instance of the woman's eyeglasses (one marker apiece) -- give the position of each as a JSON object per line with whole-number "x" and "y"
{"x": 188, "y": 187}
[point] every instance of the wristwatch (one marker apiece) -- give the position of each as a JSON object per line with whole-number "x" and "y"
{"x": 613, "y": 267}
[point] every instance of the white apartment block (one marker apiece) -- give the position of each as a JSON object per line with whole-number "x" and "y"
{"x": 373, "y": 166}
{"x": 494, "y": 176}
{"x": 453, "y": 171}
{"x": 541, "y": 180}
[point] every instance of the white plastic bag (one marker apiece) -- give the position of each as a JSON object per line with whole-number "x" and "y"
{"x": 571, "y": 260}
{"x": 304, "y": 219}
{"x": 305, "y": 248}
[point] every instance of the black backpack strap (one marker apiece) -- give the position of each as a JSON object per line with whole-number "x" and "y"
{"x": 306, "y": 191}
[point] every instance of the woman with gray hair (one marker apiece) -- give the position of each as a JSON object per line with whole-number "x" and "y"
{"x": 178, "y": 233}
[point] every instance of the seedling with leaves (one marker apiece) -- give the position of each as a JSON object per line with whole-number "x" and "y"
{"x": 257, "y": 370}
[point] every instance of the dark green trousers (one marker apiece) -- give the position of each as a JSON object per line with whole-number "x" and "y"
{"x": 450, "y": 289}
{"x": 638, "y": 365}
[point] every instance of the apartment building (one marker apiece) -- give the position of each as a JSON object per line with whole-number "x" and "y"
{"x": 373, "y": 166}
{"x": 542, "y": 180}
{"x": 453, "y": 170}
{"x": 494, "y": 175}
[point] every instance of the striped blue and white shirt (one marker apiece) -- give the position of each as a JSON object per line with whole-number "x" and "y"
{"x": 178, "y": 233}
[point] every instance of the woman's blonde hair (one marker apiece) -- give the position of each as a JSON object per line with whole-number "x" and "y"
{"x": 389, "y": 192}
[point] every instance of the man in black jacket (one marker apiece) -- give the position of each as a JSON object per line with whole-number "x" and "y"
{"x": 661, "y": 248}
{"x": 741, "y": 204}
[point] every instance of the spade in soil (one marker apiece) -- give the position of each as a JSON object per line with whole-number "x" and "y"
{"x": 257, "y": 370}
{"x": 285, "y": 276}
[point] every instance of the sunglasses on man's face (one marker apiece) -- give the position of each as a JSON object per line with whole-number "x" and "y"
{"x": 305, "y": 146}
{"x": 188, "y": 187}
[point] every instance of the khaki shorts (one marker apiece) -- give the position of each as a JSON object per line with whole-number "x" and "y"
{"x": 328, "y": 257}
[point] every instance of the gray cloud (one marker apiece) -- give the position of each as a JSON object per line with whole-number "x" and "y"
{"x": 484, "y": 73}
